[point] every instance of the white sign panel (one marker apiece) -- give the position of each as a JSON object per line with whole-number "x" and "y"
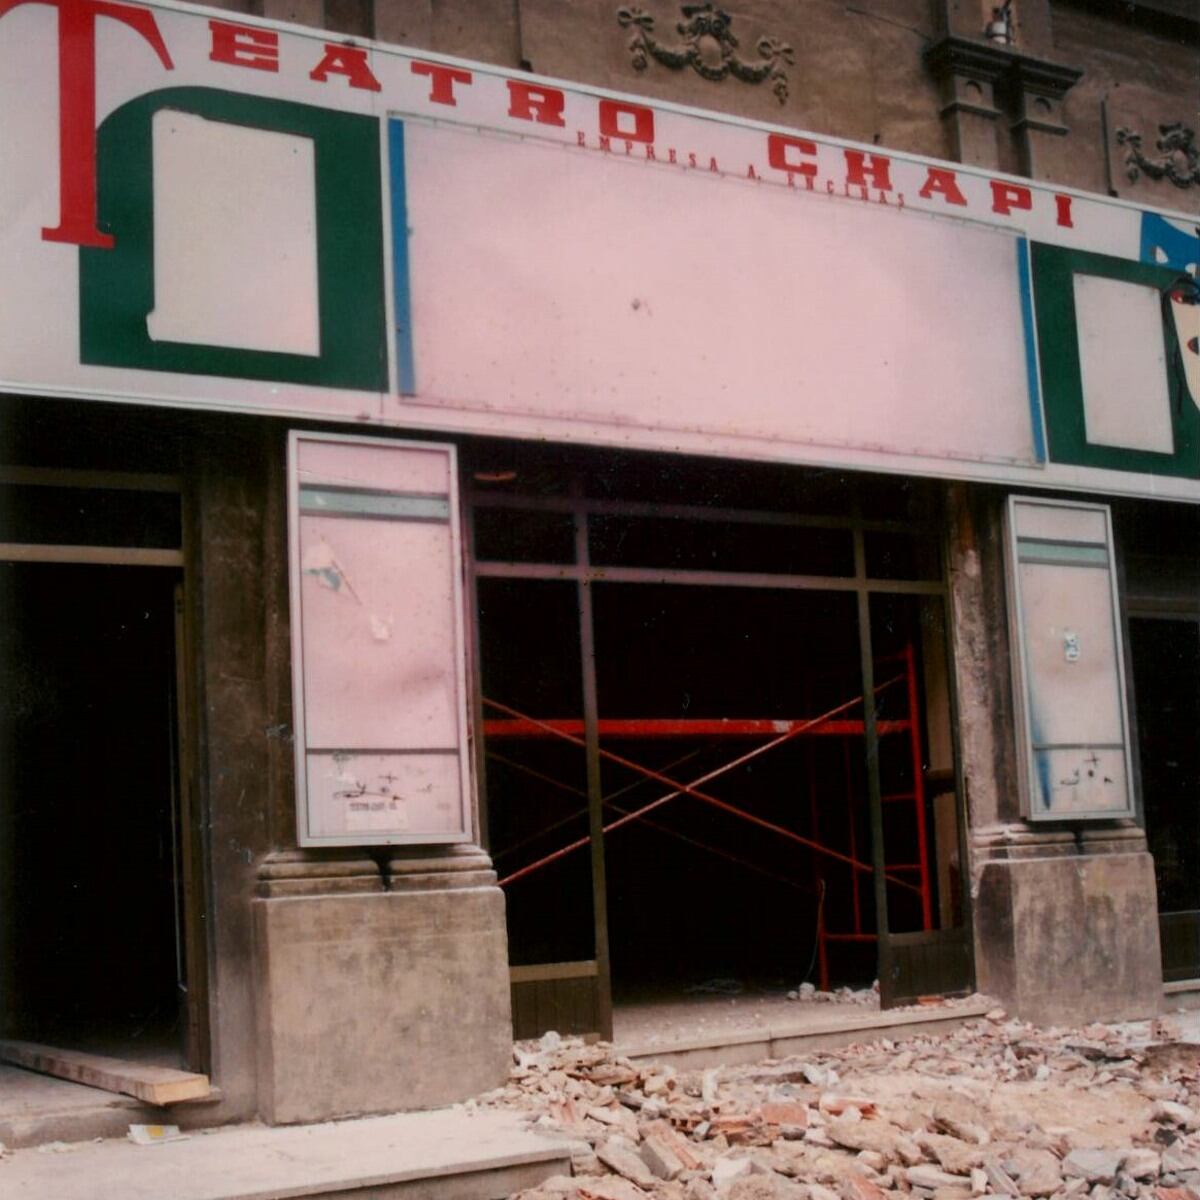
{"x": 1123, "y": 359}
{"x": 218, "y": 212}
{"x": 235, "y": 220}
{"x": 815, "y": 317}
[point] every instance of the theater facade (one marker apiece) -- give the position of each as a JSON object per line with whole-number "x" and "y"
{"x": 511, "y": 511}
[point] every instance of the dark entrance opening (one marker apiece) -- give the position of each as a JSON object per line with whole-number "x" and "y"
{"x": 698, "y": 896}
{"x": 686, "y": 790}
{"x": 1166, "y": 675}
{"x": 92, "y": 954}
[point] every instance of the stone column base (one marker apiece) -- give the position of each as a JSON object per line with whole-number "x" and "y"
{"x": 382, "y": 1000}
{"x": 1066, "y": 930}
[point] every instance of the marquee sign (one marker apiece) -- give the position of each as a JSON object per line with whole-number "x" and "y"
{"x": 203, "y": 211}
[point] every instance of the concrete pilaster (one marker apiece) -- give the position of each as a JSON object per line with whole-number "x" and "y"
{"x": 1038, "y": 91}
{"x": 968, "y": 74}
{"x": 1065, "y": 918}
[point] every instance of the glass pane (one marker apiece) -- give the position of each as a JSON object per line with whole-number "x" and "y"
{"x": 536, "y": 781}
{"x": 893, "y": 555}
{"x": 679, "y": 544}
{"x": 715, "y": 483}
{"x": 72, "y": 516}
{"x": 521, "y": 535}
{"x": 720, "y": 689}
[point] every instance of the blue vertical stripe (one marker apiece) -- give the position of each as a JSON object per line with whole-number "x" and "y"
{"x": 406, "y": 375}
{"x": 1031, "y": 364}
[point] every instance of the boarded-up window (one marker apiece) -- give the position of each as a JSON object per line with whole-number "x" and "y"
{"x": 1072, "y": 732}
{"x": 377, "y": 642}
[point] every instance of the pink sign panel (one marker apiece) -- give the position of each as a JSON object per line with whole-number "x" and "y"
{"x": 377, "y": 642}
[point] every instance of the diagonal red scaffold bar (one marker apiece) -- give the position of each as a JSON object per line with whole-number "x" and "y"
{"x": 609, "y": 801}
{"x": 692, "y": 789}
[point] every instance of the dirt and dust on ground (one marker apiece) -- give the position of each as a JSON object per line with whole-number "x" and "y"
{"x": 995, "y": 1108}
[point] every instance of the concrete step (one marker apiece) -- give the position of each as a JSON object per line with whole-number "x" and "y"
{"x": 802, "y": 1034}
{"x": 37, "y": 1108}
{"x": 448, "y": 1154}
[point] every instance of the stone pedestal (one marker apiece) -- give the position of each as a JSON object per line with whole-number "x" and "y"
{"x": 1066, "y": 924}
{"x": 383, "y": 998}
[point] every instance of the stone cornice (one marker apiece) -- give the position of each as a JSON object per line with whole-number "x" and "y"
{"x": 1046, "y": 78}
{"x": 954, "y": 55}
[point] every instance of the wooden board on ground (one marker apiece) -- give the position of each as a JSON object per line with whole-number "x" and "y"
{"x": 153, "y": 1085}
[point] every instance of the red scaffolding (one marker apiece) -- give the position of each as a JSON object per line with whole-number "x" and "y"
{"x": 833, "y": 723}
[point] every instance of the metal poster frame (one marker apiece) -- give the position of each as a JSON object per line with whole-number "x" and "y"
{"x": 1020, "y": 662}
{"x": 465, "y": 828}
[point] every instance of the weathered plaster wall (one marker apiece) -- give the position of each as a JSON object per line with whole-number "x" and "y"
{"x": 857, "y": 71}
{"x": 1145, "y": 76}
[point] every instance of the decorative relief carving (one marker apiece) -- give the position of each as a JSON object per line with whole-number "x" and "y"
{"x": 1179, "y": 161}
{"x": 709, "y": 47}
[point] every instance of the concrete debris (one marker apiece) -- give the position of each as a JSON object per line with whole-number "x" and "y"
{"x": 1037, "y": 1172}
{"x": 621, "y": 1156}
{"x": 727, "y": 1169}
{"x": 924, "y": 1176}
{"x": 659, "y": 1155}
{"x": 1142, "y": 1164}
{"x": 1096, "y": 1166}
{"x": 995, "y": 1107}
{"x": 808, "y": 994}
{"x": 1171, "y": 1113}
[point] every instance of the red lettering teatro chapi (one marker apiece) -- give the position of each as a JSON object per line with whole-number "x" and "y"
{"x": 244, "y": 46}
{"x": 77, "y": 108}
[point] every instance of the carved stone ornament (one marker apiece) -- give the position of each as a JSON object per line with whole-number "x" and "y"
{"x": 709, "y": 47}
{"x": 1179, "y": 161}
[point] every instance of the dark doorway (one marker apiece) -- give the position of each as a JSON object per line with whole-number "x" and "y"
{"x": 672, "y": 662}
{"x": 91, "y": 955}
{"x": 1166, "y": 676}
{"x": 701, "y": 896}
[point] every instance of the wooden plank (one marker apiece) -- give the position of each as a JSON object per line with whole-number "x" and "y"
{"x": 59, "y": 477}
{"x": 121, "y": 556}
{"x": 534, "y": 972}
{"x": 565, "y": 1005}
{"x": 153, "y": 1085}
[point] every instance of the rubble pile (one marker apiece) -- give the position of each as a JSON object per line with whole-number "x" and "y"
{"x": 995, "y": 1108}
